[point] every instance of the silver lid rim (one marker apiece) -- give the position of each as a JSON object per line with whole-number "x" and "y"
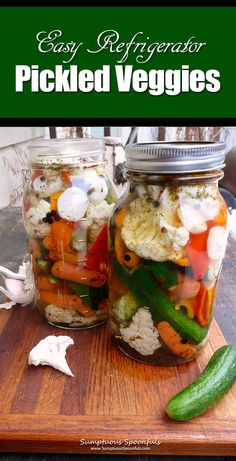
{"x": 173, "y": 157}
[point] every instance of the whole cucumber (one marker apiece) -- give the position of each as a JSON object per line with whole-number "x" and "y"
{"x": 213, "y": 383}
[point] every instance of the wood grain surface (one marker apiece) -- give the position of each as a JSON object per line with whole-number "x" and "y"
{"x": 112, "y": 397}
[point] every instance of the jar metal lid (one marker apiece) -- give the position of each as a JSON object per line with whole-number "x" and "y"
{"x": 174, "y": 157}
{"x": 66, "y": 151}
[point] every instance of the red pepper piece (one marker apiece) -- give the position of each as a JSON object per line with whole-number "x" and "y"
{"x": 98, "y": 254}
{"x": 197, "y": 254}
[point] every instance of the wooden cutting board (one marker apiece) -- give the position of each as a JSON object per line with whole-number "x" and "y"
{"x": 114, "y": 405}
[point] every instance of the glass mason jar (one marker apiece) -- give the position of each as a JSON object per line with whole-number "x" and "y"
{"x": 168, "y": 236}
{"x": 66, "y": 206}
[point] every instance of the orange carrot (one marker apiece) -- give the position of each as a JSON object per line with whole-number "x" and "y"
{"x": 53, "y": 255}
{"x": 47, "y": 242}
{"x": 71, "y": 257}
{"x": 53, "y": 200}
{"x": 66, "y": 301}
{"x": 43, "y": 283}
{"x": 67, "y": 271}
{"x": 174, "y": 342}
{"x": 61, "y": 235}
{"x": 119, "y": 247}
{"x": 120, "y": 215}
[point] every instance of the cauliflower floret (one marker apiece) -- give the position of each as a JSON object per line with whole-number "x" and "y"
{"x": 96, "y": 217}
{"x": 141, "y": 333}
{"x": 198, "y": 204}
{"x": 34, "y": 220}
{"x": 71, "y": 317}
{"x": 178, "y": 235}
{"x": 51, "y": 351}
{"x": 154, "y": 232}
{"x": 99, "y": 211}
{"x": 200, "y": 191}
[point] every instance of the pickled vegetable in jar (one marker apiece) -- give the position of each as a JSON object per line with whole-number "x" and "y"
{"x": 168, "y": 237}
{"x": 66, "y": 206}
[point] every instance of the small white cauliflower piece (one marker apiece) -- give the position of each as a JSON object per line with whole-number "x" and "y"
{"x": 34, "y": 219}
{"x": 178, "y": 235}
{"x": 99, "y": 211}
{"x": 45, "y": 186}
{"x": 51, "y": 351}
{"x": 72, "y": 204}
{"x": 141, "y": 333}
{"x": 68, "y": 316}
{"x": 96, "y": 217}
{"x": 198, "y": 204}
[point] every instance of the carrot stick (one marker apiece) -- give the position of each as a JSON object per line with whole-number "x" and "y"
{"x": 66, "y": 302}
{"x": 43, "y": 283}
{"x": 67, "y": 271}
{"x": 173, "y": 341}
{"x": 72, "y": 257}
{"x": 47, "y": 242}
{"x": 119, "y": 247}
{"x": 53, "y": 255}
{"x": 120, "y": 215}
{"x": 61, "y": 235}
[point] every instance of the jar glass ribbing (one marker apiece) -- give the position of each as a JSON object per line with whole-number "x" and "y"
{"x": 66, "y": 206}
{"x": 168, "y": 236}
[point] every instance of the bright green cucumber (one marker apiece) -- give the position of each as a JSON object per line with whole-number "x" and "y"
{"x": 162, "y": 307}
{"x": 167, "y": 277}
{"x": 78, "y": 289}
{"x": 216, "y": 379}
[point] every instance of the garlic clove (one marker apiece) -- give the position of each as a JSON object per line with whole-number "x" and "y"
{"x": 216, "y": 243}
{"x": 45, "y": 186}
